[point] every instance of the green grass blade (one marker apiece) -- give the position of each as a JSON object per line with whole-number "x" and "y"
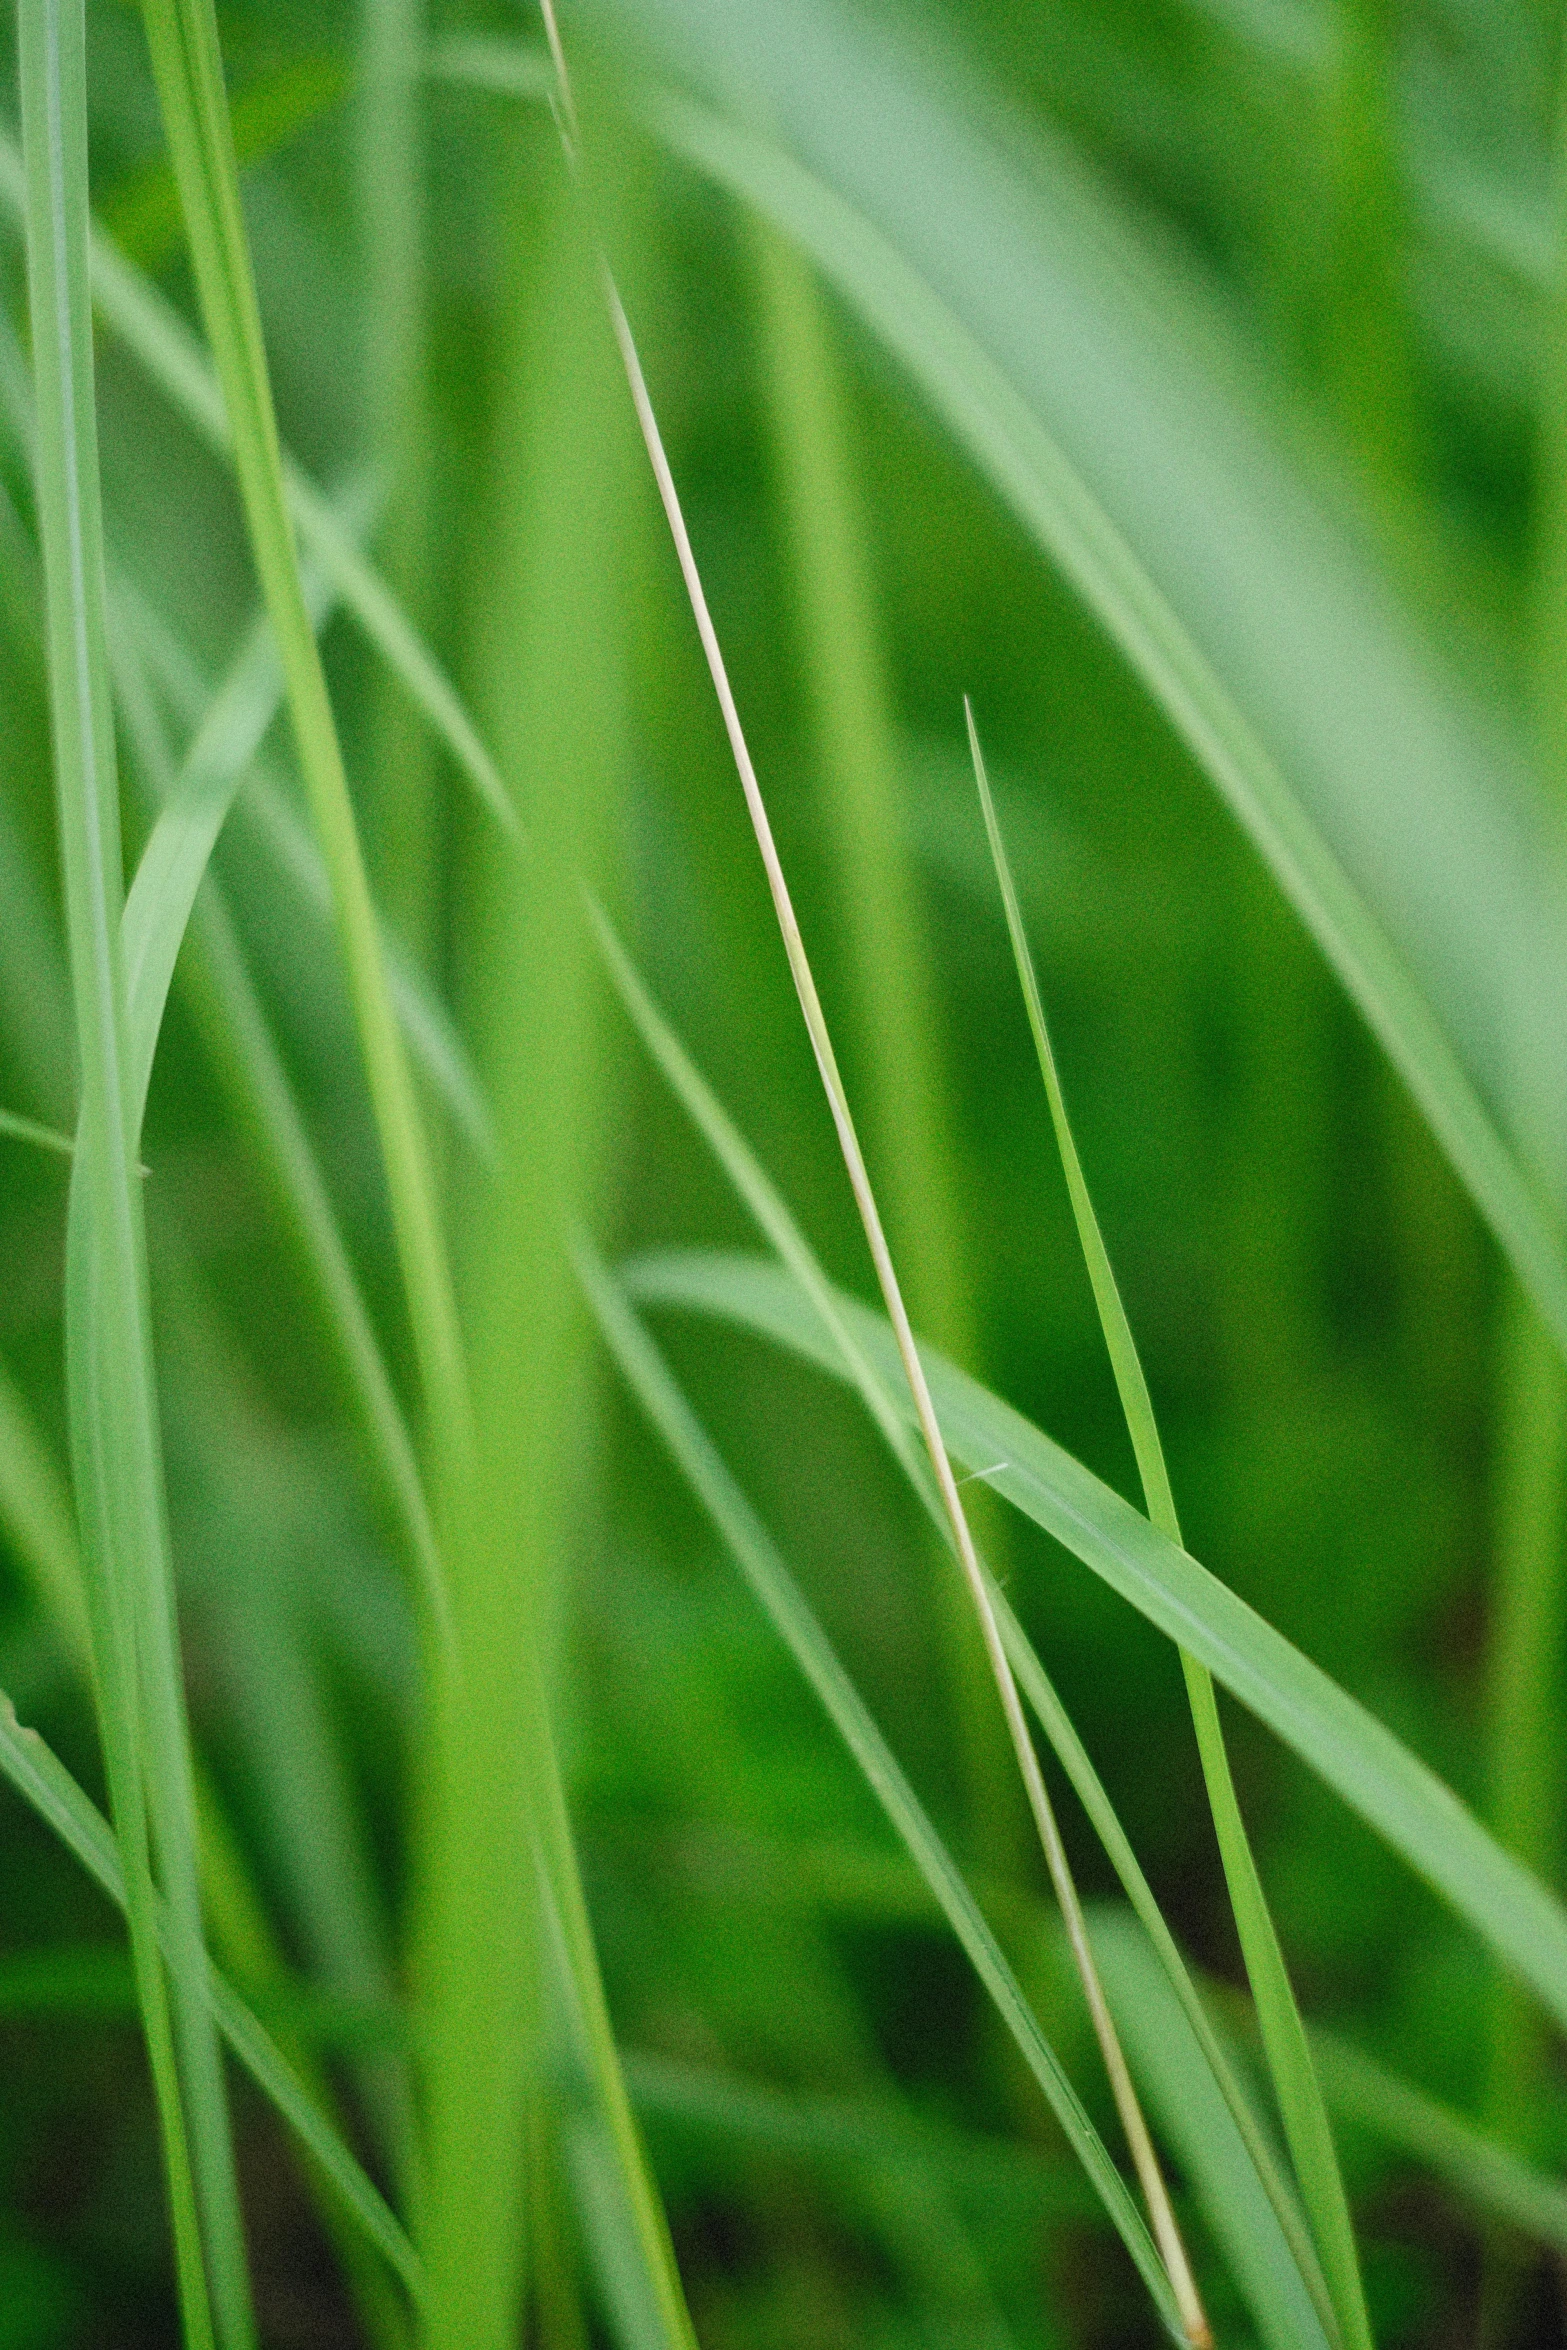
{"x": 35, "y": 1510}
{"x": 240, "y": 1042}
{"x": 187, "y": 65}
{"x": 1306, "y": 2125}
{"x": 1176, "y": 2077}
{"x": 779, "y": 1595}
{"x": 761, "y": 1197}
{"x": 113, "y": 1408}
{"x": 268, "y": 809}
{"x": 44, "y": 1782}
{"x": 652, "y": 2256}
{"x": 551, "y": 654}
{"x": 1374, "y": 1772}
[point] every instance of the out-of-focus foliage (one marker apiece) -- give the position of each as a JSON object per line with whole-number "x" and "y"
{"x": 1305, "y": 348}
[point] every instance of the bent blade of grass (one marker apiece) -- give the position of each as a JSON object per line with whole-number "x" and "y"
{"x": 1375, "y": 1773}
{"x": 43, "y": 1781}
{"x": 235, "y": 1029}
{"x": 113, "y": 1408}
{"x": 1177, "y": 2079}
{"x": 1004, "y": 431}
{"x": 1306, "y": 2126}
{"x": 1004, "y": 434}
{"x": 187, "y": 66}
{"x": 268, "y": 809}
{"x": 153, "y": 331}
{"x": 1144, "y": 2157}
{"x": 781, "y": 1598}
{"x": 772, "y": 1215}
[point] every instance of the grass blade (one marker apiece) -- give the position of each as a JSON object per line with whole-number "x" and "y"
{"x": 772, "y": 1215}
{"x": 779, "y": 1595}
{"x": 1306, "y": 2126}
{"x": 1374, "y": 1772}
{"x": 114, "y": 1424}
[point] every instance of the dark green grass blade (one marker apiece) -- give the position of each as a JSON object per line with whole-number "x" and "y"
{"x": 113, "y": 1409}
{"x": 44, "y": 1782}
{"x": 777, "y": 1592}
{"x": 1306, "y": 2126}
{"x": 1374, "y": 1772}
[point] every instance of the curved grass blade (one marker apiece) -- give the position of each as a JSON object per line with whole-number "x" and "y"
{"x": 113, "y": 1410}
{"x": 1004, "y": 430}
{"x": 782, "y": 1600}
{"x": 1374, "y": 1772}
{"x": 187, "y": 66}
{"x": 47, "y": 1785}
{"x": 240, "y": 1042}
{"x": 1306, "y": 2126}
{"x": 772, "y": 1215}
{"x": 1176, "y": 2078}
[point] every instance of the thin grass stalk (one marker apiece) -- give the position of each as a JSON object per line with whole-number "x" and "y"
{"x": 1166, "y": 2229}
{"x": 890, "y": 969}
{"x": 774, "y": 1219}
{"x": 183, "y": 38}
{"x": 1306, "y": 2125}
{"x": 113, "y": 1409}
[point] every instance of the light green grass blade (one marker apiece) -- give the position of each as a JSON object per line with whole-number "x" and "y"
{"x": 651, "y": 2276}
{"x": 153, "y": 331}
{"x": 551, "y": 652}
{"x": 1306, "y": 2126}
{"x": 238, "y": 1038}
{"x": 1374, "y": 1772}
{"x": 1177, "y": 2080}
{"x": 268, "y": 809}
{"x": 780, "y": 1596}
{"x": 113, "y": 1408}
{"x": 772, "y": 1215}
{"x": 195, "y": 807}
{"x": 44, "y": 1782}
{"x": 15, "y": 1128}
{"x": 1002, "y": 414}
{"x": 187, "y": 65}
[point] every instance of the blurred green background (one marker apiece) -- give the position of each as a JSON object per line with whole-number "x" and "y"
{"x": 1352, "y": 208}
